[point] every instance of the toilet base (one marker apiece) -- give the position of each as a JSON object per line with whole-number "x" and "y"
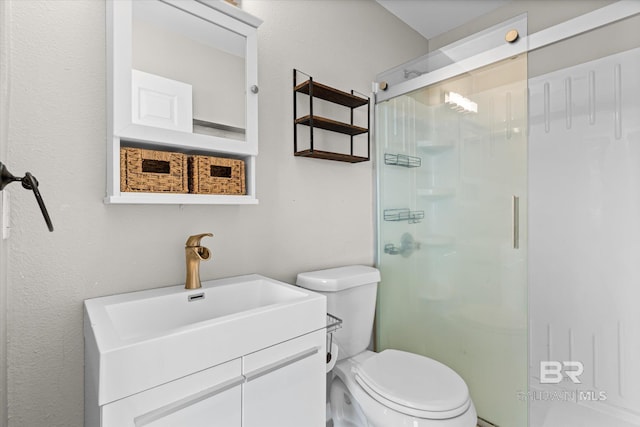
{"x": 345, "y": 411}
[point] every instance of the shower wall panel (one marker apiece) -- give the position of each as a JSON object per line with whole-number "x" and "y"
{"x": 584, "y": 242}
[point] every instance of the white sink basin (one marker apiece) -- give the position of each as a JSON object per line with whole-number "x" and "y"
{"x": 135, "y": 317}
{"x": 139, "y": 340}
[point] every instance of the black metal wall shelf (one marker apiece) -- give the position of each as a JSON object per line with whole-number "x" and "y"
{"x": 328, "y": 155}
{"x": 332, "y": 125}
{"x": 327, "y": 93}
{"x": 330, "y": 94}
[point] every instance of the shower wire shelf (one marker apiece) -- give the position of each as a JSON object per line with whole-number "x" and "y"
{"x": 413, "y": 217}
{"x": 402, "y": 160}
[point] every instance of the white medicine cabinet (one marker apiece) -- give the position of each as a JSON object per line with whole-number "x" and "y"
{"x": 182, "y": 76}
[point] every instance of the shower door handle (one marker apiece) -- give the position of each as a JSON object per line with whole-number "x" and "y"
{"x": 515, "y": 211}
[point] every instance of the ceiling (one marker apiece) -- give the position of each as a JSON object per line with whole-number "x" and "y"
{"x": 433, "y": 17}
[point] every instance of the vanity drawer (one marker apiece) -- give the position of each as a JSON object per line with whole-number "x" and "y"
{"x": 188, "y": 401}
{"x": 286, "y": 384}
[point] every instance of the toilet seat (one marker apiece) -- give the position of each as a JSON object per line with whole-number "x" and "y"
{"x": 414, "y": 385}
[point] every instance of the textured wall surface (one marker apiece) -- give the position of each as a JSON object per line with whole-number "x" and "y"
{"x": 4, "y": 115}
{"x": 312, "y": 213}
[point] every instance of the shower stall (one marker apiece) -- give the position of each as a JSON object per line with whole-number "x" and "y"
{"x": 508, "y": 175}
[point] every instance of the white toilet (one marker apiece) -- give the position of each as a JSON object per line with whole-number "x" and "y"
{"x": 388, "y": 389}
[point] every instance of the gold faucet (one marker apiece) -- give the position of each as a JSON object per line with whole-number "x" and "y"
{"x": 195, "y": 253}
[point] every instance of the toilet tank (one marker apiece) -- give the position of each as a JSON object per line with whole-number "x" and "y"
{"x": 351, "y": 296}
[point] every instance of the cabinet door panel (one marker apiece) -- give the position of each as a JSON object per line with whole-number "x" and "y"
{"x": 286, "y": 384}
{"x": 211, "y": 398}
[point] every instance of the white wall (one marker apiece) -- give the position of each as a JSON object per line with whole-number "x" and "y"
{"x": 312, "y": 213}
{"x": 4, "y": 98}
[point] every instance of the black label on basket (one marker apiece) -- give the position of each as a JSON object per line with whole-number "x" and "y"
{"x": 221, "y": 171}
{"x": 156, "y": 166}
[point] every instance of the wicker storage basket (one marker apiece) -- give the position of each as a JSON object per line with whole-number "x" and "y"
{"x": 216, "y": 175}
{"x": 152, "y": 171}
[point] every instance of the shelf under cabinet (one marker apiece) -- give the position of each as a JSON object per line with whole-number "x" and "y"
{"x": 327, "y": 155}
{"x": 179, "y": 199}
{"x": 116, "y": 197}
{"x": 332, "y": 125}
{"x": 163, "y": 139}
{"x": 332, "y": 95}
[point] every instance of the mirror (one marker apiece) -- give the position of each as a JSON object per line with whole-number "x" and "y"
{"x": 176, "y": 45}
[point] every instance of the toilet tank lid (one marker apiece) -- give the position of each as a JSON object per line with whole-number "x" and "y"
{"x": 338, "y": 279}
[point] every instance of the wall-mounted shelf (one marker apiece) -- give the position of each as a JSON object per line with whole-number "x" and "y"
{"x": 332, "y": 125}
{"x": 330, "y": 94}
{"x": 179, "y": 199}
{"x": 328, "y": 155}
{"x": 313, "y": 121}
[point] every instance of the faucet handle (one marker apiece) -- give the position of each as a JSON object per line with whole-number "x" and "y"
{"x": 195, "y": 239}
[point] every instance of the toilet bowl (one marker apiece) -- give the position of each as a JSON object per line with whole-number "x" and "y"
{"x": 388, "y": 389}
{"x": 395, "y": 388}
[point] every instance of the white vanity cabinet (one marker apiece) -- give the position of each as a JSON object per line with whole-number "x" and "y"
{"x": 280, "y": 386}
{"x": 211, "y": 398}
{"x": 202, "y": 54}
{"x": 246, "y": 351}
{"x": 285, "y": 384}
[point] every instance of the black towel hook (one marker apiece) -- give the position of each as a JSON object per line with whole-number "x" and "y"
{"x": 29, "y": 182}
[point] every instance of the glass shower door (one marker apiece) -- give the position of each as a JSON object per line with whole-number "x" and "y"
{"x": 452, "y": 231}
